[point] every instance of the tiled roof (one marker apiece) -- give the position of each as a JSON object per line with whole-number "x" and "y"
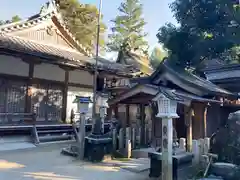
{"x": 140, "y": 62}
{"x": 78, "y": 56}
{"x": 31, "y": 47}
{"x": 188, "y": 78}
{"x": 196, "y": 80}
{"x": 51, "y": 11}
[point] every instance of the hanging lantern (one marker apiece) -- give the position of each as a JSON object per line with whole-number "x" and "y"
{"x": 167, "y": 108}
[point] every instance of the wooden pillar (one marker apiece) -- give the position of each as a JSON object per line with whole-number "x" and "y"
{"x": 128, "y": 115}
{"x": 65, "y": 95}
{"x": 188, "y": 111}
{"x": 205, "y": 121}
{"x": 28, "y": 105}
{"x": 109, "y": 112}
{"x": 116, "y": 111}
{"x": 142, "y": 121}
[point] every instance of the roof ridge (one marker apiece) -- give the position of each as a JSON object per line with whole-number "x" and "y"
{"x": 49, "y": 12}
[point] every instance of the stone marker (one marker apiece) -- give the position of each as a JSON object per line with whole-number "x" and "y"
{"x": 82, "y": 136}
{"x": 114, "y": 140}
{"x": 121, "y": 139}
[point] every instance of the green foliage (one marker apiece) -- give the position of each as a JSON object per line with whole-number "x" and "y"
{"x": 157, "y": 56}
{"x": 208, "y": 29}
{"x": 128, "y": 31}
{"x": 14, "y": 19}
{"x": 82, "y": 22}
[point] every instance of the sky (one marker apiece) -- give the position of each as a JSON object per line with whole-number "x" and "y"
{"x": 156, "y": 12}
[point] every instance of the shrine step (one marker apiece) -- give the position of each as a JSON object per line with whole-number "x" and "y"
{"x": 49, "y": 138}
{"x": 54, "y": 133}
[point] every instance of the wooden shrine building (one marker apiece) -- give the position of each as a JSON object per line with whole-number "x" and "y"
{"x": 43, "y": 67}
{"x": 195, "y": 95}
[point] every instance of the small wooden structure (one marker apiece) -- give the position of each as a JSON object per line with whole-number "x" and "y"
{"x": 116, "y": 85}
{"x": 226, "y": 76}
{"x": 194, "y": 94}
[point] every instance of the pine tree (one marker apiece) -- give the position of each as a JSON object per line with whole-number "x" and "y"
{"x": 128, "y": 31}
{"x": 82, "y": 22}
{"x": 157, "y": 57}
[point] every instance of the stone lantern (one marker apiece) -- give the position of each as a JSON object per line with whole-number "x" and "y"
{"x": 167, "y": 110}
{"x": 166, "y": 107}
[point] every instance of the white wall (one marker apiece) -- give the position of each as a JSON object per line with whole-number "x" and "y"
{"x": 80, "y": 77}
{"x": 49, "y": 72}
{"x": 72, "y": 93}
{"x": 13, "y": 66}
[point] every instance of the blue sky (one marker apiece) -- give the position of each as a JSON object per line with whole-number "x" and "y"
{"x": 156, "y": 12}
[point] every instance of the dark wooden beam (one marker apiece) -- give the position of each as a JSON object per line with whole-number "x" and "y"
{"x": 28, "y": 105}
{"x": 80, "y": 85}
{"x": 128, "y": 115}
{"x": 65, "y": 94}
{"x": 31, "y": 60}
{"x": 188, "y": 112}
{"x": 67, "y": 68}
{"x": 205, "y": 108}
{"x": 142, "y": 122}
{"x": 116, "y": 111}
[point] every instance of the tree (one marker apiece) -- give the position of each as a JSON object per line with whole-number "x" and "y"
{"x": 208, "y": 29}
{"x": 14, "y": 19}
{"x": 157, "y": 56}
{"x": 128, "y": 31}
{"x": 82, "y": 22}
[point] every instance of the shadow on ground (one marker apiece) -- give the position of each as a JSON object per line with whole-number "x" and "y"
{"x": 46, "y": 163}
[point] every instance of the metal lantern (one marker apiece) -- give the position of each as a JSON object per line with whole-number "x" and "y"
{"x": 167, "y": 108}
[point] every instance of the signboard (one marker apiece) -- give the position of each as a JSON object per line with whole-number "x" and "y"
{"x": 83, "y": 103}
{"x": 83, "y": 107}
{"x": 84, "y": 99}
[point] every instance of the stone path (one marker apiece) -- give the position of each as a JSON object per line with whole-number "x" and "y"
{"x": 133, "y": 165}
{"x": 46, "y": 163}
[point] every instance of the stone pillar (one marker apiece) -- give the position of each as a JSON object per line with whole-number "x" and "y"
{"x": 82, "y": 136}
{"x": 121, "y": 139}
{"x": 128, "y": 143}
{"x": 114, "y": 140}
{"x": 167, "y": 110}
{"x": 133, "y": 138}
{"x": 167, "y": 150}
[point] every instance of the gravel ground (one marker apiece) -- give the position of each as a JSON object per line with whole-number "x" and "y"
{"x": 46, "y": 163}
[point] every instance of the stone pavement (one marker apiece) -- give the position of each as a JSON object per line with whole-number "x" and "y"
{"x": 133, "y": 165}
{"x": 46, "y": 163}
